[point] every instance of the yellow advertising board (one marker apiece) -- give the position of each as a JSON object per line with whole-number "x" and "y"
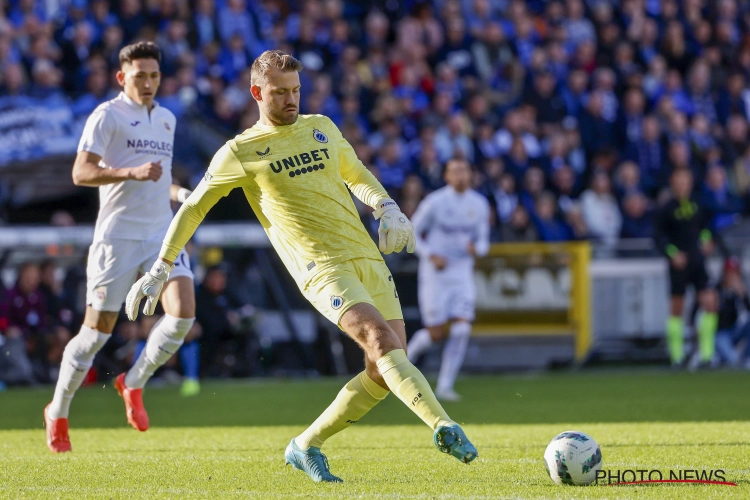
{"x": 535, "y": 289}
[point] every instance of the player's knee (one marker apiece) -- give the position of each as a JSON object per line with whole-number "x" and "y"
{"x": 437, "y": 333}
{"x": 460, "y": 329}
{"x": 102, "y": 321}
{"x": 378, "y": 340}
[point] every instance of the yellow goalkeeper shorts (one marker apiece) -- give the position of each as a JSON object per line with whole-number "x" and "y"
{"x": 333, "y": 291}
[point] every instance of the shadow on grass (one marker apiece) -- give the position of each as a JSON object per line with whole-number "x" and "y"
{"x": 622, "y": 396}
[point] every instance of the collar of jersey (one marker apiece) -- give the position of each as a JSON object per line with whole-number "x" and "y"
{"x": 261, "y": 126}
{"x": 130, "y": 102}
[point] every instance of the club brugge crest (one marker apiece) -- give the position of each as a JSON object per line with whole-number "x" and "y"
{"x": 336, "y": 302}
{"x": 319, "y": 136}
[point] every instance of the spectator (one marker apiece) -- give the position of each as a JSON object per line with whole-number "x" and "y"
{"x": 515, "y": 128}
{"x": 596, "y": 131}
{"x": 74, "y": 55}
{"x": 543, "y": 96}
{"x": 519, "y": 227}
{"x": 577, "y": 27}
{"x": 574, "y": 91}
{"x": 600, "y": 211}
{"x": 732, "y": 328}
{"x": 736, "y": 139}
{"x": 699, "y": 91}
{"x": 234, "y": 19}
{"x": 452, "y": 140}
{"x": 204, "y": 29}
{"x": 732, "y": 101}
{"x": 503, "y": 197}
{"x": 533, "y": 186}
{"x": 627, "y": 180}
{"x": 631, "y": 119}
{"x": 564, "y": 187}
{"x": 701, "y": 139}
{"x": 215, "y": 311}
{"x": 548, "y": 225}
{"x": 637, "y": 218}
{"x": 390, "y": 164}
{"x": 648, "y": 153}
{"x": 722, "y": 206}
{"x": 25, "y": 313}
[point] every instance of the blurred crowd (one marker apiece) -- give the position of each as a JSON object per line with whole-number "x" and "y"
{"x": 44, "y": 308}
{"x": 573, "y": 112}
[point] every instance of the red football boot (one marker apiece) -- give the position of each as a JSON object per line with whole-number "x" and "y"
{"x": 137, "y": 416}
{"x": 57, "y": 433}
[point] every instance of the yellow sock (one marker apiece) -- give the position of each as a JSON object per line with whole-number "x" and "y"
{"x": 357, "y": 397}
{"x": 408, "y": 383}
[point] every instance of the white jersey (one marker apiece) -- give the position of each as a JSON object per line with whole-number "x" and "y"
{"x": 445, "y": 223}
{"x": 125, "y": 135}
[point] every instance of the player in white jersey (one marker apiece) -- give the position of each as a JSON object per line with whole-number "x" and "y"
{"x": 126, "y": 151}
{"x": 452, "y": 226}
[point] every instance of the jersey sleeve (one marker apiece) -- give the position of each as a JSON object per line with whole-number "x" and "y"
{"x": 98, "y": 132}
{"x": 482, "y": 243}
{"x": 360, "y": 181}
{"x": 422, "y": 220}
{"x": 223, "y": 175}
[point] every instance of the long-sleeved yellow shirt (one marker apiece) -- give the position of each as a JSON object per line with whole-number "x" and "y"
{"x": 295, "y": 178}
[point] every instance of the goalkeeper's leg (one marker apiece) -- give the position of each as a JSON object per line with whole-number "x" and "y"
{"x": 384, "y": 344}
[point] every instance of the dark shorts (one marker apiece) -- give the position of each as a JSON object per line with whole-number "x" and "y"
{"x": 693, "y": 274}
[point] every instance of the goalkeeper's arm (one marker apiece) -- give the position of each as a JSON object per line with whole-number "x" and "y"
{"x": 184, "y": 224}
{"x": 186, "y": 221}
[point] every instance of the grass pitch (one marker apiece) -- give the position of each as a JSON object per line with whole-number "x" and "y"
{"x": 229, "y": 441}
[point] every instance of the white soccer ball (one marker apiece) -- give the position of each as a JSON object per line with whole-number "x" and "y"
{"x": 573, "y": 457}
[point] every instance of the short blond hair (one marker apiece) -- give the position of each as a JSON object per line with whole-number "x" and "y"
{"x": 272, "y": 59}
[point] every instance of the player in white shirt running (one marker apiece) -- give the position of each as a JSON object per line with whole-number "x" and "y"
{"x": 126, "y": 151}
{"x": 452, "y": 226}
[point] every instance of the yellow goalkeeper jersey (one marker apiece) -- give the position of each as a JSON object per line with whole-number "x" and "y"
{"x": 295, "y": 178}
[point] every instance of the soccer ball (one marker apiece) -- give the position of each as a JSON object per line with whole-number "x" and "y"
{"x": 573, "y": 457}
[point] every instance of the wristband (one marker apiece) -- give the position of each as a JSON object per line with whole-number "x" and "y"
{"x": 383, "y": 206}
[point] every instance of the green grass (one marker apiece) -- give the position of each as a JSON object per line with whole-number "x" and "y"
{"x": 229, "y": 441}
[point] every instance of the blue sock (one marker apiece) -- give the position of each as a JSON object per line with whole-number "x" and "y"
{"x": 190, "y": 359}
{"x": 138, "y": 348}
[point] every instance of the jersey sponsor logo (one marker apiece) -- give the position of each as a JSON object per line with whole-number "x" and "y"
{"x": 319, "y": 136}
{"x": 207, "y": 176}
{"x": 301, "y": 163}
{"x": 134, "y": 123}
{"x": 150, "y": 147}
{"x": 336, "y": 302}
{"x": 265, "y": 153}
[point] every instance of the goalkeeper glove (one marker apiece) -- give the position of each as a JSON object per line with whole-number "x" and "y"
{"x": 149, "y": 286}
{"x": 395, "y": 231}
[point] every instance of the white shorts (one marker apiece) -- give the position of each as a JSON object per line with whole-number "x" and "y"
{"x": 442, "y": 302}
{"x": 114, "y": 265}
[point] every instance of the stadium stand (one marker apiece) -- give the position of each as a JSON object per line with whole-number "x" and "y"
{"x": 573, "y": 112}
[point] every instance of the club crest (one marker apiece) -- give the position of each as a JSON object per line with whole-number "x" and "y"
{"x": 336, "y": 302}
{"x": 319, "y": 136}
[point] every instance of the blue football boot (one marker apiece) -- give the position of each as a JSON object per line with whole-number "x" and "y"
{"x": 311, "y": 461}
{"x": 452, "y": 440}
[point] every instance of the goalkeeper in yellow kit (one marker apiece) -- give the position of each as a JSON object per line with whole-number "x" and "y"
{"x": 295, "y": 171}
